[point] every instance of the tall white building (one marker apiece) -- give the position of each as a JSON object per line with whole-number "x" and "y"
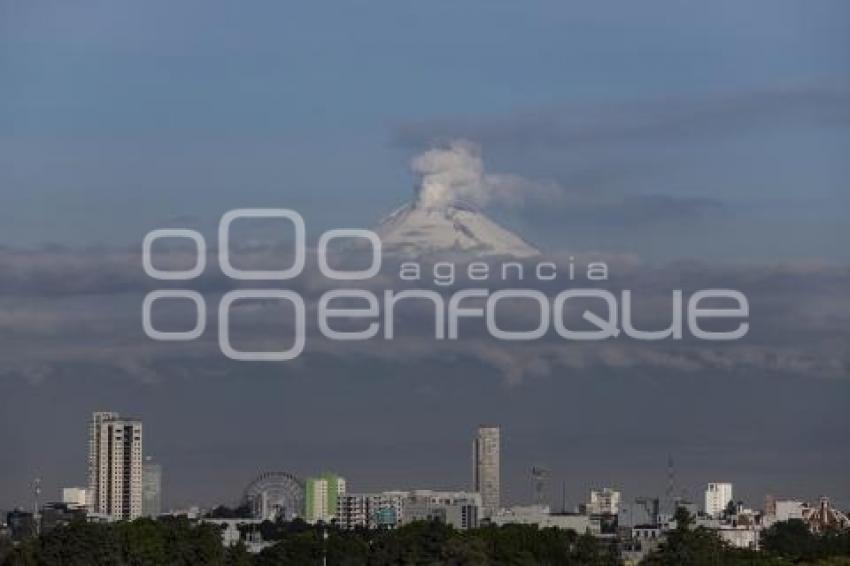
{"x": 97, "y": 420}
{"x": 115, "y": 466}
{"x": 717, "y": 497}
{"x": 485, "y": 469}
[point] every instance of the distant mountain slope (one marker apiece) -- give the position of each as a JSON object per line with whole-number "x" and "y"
{"x": 416, "y": 230}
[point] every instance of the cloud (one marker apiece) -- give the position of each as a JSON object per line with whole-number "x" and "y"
{"x": 799, "y": 322}
{"x": 666, "y": 120}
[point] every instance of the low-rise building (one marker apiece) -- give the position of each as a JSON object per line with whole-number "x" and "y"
{"x": 74, "y": 496}
{"x": 818, "y": 516}
{"x": 824, "y": 517}
{"x": 541, "y": 516}
{"x": 740, "y": 528}
{"x": 642, "y": 511}
{"x": 740, "y": 536}
{"x": 389, "y": 509}
{"x": 58, "y": 514}
{"x": 370, "y": 510}
{"x": 460, "y": 509}
{"x": 21, "y": 525}
{"x": 605, "y": 501}
{"x": 787, "y": 509}
{"x": 245, "y": 530}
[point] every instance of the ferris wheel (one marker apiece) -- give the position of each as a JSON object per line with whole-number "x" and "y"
{"x": 275, "y": 495}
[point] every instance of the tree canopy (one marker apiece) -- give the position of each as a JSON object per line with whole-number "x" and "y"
{"x": 181, "y": 542}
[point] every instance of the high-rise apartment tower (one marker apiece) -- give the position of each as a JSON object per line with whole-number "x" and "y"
{"x": 115, "y": 466}
{"x": 485, "y": 468}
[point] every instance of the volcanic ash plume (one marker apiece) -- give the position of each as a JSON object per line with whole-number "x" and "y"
{"x": 451, "y": 174}
{"x": 455, "y": 175}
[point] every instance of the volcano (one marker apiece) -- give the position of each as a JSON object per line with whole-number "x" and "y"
{"x": 457, "y": 228}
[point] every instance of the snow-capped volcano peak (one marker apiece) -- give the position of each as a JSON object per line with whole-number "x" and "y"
{"x": 443, "y": 217}
{"x": 416, "y": 229}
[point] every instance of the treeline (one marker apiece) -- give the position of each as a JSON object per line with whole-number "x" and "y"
{"x": 178, "y": 541}
{"x": 782, "y": 544}
{"x": 436, "y": 543}
{"x": 793, "y": 541}
{"x": 172, "y": 542}
{"x": 141, "y": 542}
{"x": 144, "y": 541}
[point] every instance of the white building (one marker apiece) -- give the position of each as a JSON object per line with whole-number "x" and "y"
{"x": 245, "y": 530}
{"x": 787, "y": 509}
{"x": 817, "y": 516}
{"x": 604, "y": 502}
{"x": 717, "y": 497}
{"x": 746, "y": 536}
{"x": 115, "y": 466}
{"x": 541, "y": 516}
{"x": 486, "y": 468}
{"x": 75, "y": 496}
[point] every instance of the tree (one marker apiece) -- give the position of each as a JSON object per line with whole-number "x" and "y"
{"x": 688, "y": 546}
{"x": 416, "y": 543}
{"x": 298, "y": 549}
{"x": 5, "y": 548}
{"x": 465, "y": 551}
{"x": 347, "y": 548}
{"x": 793, "y": 541}
{"x": 237, "y": 555}
{"x": 592, "y": 552}
{"x": 790, "y": 539}
{"x": 143, "y": 542}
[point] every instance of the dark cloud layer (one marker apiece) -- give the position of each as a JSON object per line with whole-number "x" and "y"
{"x": 658, "y": 121}
{"x": 63, "y": 305}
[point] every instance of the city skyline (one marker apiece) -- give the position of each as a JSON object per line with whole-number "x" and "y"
{"x": 323, "y": 490}
{"x": 124, "y": 490}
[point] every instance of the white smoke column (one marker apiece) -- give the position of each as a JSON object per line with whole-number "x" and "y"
{"x": 454, "y": 173}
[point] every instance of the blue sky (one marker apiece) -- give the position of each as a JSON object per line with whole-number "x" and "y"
{"x": 119, "y": 117}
